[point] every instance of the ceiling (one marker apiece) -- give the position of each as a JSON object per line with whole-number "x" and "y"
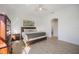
{"x": 31, "y": 9}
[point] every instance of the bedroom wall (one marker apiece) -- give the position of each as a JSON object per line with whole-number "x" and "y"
{"x": 17, "y": 23}
{"x": 43, "y": 24}
{"x": 68, "y": 23}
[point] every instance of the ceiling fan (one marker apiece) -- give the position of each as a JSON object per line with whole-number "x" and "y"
{"x": 41, "y": 8}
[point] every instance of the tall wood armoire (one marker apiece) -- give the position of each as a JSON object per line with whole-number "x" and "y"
{"x": 5, "y": 34}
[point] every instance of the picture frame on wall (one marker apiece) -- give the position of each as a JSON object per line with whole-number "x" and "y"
{"x": 28, "y": 23}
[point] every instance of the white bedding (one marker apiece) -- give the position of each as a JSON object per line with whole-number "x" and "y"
{"x": 25, "y": 37}
{"x": 30, "y": 32}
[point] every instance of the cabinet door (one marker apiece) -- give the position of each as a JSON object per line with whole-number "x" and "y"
{"x": 4, "y": 50}
{"x": 3, "y": 35}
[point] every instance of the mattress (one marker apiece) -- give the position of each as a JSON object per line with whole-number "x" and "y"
{"x": 33, "y": 35}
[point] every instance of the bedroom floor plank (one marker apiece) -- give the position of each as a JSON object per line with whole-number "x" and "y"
{"x": 49, "y": 46}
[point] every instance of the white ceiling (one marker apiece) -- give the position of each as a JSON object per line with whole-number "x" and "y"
{"x": 30, "y": 9}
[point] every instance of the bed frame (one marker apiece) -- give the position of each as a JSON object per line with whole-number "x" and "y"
{"x": 33, "y": 41}
{"x": 28, "y": 27}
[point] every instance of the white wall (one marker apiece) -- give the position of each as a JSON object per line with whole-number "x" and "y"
{"x": 17, "y": 23}
{"x": 68, "y": 24}
{"x": 44, "y": 24}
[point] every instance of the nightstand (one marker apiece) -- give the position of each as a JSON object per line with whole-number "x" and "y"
{"x": 15, "y": 37}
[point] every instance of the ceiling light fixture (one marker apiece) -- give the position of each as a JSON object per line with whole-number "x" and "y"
{"x": 40, "y": 9}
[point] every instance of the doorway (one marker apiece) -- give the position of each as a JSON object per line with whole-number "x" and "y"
{"x": 54, "y": 27}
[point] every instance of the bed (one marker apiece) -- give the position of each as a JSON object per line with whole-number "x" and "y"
{"x": 30, "y": 35}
